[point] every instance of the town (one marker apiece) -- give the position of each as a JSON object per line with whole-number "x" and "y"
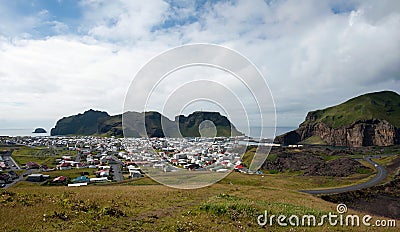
{"x": 102, "y": 160}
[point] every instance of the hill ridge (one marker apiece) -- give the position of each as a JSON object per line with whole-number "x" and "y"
{"x": 141, "y": 124}
{"x": 365, "y": 120}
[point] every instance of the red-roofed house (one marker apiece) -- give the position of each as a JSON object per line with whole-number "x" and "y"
{"x": 103, "y": 173}
{"x": 59, "y": 179}
{"x": 32, "y": 165}
{"x": 239, "y": 166}
{"x": 80, "y": 165}
{"x": 64, "y": 166}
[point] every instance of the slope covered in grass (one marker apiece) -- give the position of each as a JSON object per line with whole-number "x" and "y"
{"x": 383, "y": 105}
{"x": 231, "y": 205}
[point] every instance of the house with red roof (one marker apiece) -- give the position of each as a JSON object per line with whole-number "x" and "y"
{"x": 32, "y": 165}
{"x": 64, "y": 166}
{"x": 103, "y": 173}
{"x": 59, "y": 179}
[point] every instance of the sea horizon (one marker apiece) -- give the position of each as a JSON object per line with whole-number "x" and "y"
{"x": 13, "y": 132}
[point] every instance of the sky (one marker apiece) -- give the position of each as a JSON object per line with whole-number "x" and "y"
{"x": 60, "y": 58}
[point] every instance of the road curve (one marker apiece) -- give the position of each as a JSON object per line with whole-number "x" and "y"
{"x": 379, "y": 177}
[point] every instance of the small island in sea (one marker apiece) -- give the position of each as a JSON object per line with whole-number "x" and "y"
{"x": 39, "y": 131}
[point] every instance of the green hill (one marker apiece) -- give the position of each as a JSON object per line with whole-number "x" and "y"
{"x": 372, "y": 119}
{"x": 383, "y": 105}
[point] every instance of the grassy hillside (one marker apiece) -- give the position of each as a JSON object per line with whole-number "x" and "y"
{"x": 231, "y": 205}
{"x": 314, "y": 140}
{"x": 379, "y": 105}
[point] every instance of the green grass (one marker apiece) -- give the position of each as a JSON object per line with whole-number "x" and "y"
{"x": 227, "y": 206}
{"x": 41, "y": 156}
{"x": 389, "y": 150}
{"x": 272, "y": 157}
{"x": 379, "y": 105}
{"x": 385, "y": 160}
{"x": 248, "y": 155}
{"x": 232, "y": 207}
{"x": 314, "y": 140}
{"x": 364, "y": 171}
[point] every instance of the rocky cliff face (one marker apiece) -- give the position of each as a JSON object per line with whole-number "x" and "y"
{"x": 372, "y": 132}
{"x": 81, "y": 124}
{"x": 189, "y": 126}
{"x": 151, "y": 124}
{"x": 372, "y": 119}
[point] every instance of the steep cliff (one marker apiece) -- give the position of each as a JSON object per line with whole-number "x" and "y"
{"x": 151, "y": 124}
{"x": 367, "y": 120}
{"x": 81, "y": 124}
{"x": 136, "y": 124}
{"x": 189, "y": 126}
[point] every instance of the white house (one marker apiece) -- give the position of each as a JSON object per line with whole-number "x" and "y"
{"x": 135, "y": 174}
{"x": 98, "y": 180}
{"x": 64, "y": 166}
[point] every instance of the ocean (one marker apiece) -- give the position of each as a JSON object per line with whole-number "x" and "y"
{"x": 256, "y": 131}
{"x": 282, "y": 130}
{"x": 21, "y": 132}
{"x": 28, "y": 132}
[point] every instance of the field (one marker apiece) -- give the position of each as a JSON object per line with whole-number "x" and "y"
{"x": 232, "y": 204}
{"x": 41, "y": 156}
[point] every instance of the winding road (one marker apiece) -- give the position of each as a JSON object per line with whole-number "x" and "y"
{"x": 379, "y": 177}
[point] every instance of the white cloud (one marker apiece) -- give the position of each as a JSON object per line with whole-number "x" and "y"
{"x": 313, "y": 54}
{"x": 57, "y": 76}
{"x": 123, "y": 20}
{"x": 59, "y": 27}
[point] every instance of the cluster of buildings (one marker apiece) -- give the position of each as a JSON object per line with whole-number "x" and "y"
{"x": 170, "y": 154}
{"x": 99, "y": 144}
{"x": 112, "y": 157}
{"x": 94, "y": 155}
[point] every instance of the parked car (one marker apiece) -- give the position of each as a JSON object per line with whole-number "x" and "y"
{"x": 13, "y": 175}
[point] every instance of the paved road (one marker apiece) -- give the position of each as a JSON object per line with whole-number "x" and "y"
{"x": 10, "y": 161}
{"x": 117, "y": 172}
{"x": 78, "y": 157}
{"x": 21, "y": 177}
{"x": 14, "y": 164}
{"x": 116, "y": 166}
{"x": 380, "y": 176}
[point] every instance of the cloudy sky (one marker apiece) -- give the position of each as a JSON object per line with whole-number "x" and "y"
{"x": 59, "y": 58}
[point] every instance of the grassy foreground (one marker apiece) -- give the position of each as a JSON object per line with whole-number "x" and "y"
{"x": 233, "y": 204}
